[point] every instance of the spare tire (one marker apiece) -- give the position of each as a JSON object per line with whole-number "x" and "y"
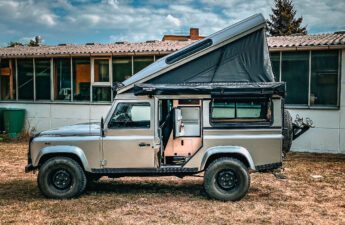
{"x": 287, "y": 132}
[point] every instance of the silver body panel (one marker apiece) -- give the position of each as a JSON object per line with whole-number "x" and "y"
{"x": 89, "y": 146}
{"x": 119, "y": 148}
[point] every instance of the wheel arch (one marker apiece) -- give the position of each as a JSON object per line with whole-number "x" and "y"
{"x": 236, "y": 152}
{"x": 73, "y": 152}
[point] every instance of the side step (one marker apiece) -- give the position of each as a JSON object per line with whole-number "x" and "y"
{"x": 164, "y": 171}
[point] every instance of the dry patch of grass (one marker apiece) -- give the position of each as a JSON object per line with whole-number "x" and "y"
{"x": 300, "y": 199}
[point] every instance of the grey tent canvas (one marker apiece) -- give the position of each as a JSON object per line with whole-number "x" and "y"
{"x": 238, "y": 53}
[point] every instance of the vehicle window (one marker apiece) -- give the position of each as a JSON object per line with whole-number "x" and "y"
{"x": 131, "y": 115}
{"x": 232, "y": 111}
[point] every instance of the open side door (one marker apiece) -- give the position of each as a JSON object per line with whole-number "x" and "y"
{"x": 186, "y": 138}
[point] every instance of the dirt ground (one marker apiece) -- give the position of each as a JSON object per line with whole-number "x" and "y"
{"x": 299, "y": 199}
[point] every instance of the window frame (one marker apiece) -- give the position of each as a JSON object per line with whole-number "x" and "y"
{"x": 93, "y": 83}
{"x": 53, "y": 66}
{"x": 130, "y": 128}
{"x": 51, "y": 92}
{"x": 238, "y": 124}
{"x": 310, "y": 106}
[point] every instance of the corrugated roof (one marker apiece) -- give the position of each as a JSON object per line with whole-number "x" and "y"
{"x": 307, "y": 40}
{"x": 69, "y": 49}
{"x": 151, "y": 47}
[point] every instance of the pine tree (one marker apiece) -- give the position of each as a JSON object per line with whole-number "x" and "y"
{"x": 283, "y": 21}
{"x": 14, "y": 43}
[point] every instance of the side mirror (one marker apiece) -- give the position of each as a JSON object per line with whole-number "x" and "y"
{"x": 102, "y": 127}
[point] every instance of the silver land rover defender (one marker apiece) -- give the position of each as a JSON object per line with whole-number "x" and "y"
{"x": 210, "y": 107}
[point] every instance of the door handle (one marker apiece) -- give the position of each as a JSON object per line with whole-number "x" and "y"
{"x": 144, "y": 145}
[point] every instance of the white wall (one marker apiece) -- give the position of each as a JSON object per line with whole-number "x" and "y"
{"x": 40, "y": 117}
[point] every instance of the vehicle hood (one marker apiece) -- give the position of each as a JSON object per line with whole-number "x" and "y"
{"x": 82, "y": 129}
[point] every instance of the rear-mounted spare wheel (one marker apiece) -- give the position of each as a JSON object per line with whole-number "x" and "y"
{"x": 287, "y": 133}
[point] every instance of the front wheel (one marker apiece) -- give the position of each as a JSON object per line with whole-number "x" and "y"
{"x": 61, "y": 177}
{"x": 227, "y": 179}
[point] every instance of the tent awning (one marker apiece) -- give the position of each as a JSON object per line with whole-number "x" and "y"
{"x": 214, "y": 89}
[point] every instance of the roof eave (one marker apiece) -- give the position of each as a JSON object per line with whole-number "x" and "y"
{"x": 306, "y": 48}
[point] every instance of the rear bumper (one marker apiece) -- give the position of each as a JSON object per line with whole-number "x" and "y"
{"x": 29, "y": 168}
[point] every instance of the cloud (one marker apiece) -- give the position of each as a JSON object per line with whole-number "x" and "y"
{"x": 81, "y": 21}
{"x": 26, "y": 12}
{"x": 174, "y": 20}
{"x": 48, "y": 19}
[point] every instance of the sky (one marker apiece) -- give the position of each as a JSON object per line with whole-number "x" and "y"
{"x": 109, "y": 21}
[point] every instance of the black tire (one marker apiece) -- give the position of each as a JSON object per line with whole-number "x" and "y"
{"x": 236, "y": 183}
{"x": 61, "y": 178}
{"x": 287, "y": 133}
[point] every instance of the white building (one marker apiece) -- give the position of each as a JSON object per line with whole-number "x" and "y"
{"x": 68, "y": 84}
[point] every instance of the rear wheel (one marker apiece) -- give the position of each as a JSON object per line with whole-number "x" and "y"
{"x": 227, "y": 179}
{"x": 61, "y": 177}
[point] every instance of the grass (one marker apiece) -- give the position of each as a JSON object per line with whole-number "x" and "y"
{"x": 299, "y": 199}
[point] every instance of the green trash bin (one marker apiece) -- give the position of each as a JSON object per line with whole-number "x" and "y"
{"x": 14, "y": 121}
{"x": 2, "y": 126}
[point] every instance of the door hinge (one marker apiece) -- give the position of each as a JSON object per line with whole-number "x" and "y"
{"x": 103, "y": 162}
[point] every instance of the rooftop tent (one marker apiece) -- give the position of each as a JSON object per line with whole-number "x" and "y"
{"x": 238, "y": 53}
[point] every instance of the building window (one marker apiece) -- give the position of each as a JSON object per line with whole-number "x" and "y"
{"x": 7, "y": 79}
{"x": 295, "y": 66}
{"x": 100, "y": 78}
{"x": 142, "y": 62}
{"x": 275, "y": 60}
{"x": 324, "y": 78}
{"x": 62, "y": 79}
{"x": 227, "y": 112}
{"x": 81, "y": 79}
{"x": 312, "y": 77}
{"x": 101, "y": 70}
{"x": 101, "y": 94}
{"x": 42, "y": 76}
{"x": 25, "y": 79}
{"x": 122, "y": 69}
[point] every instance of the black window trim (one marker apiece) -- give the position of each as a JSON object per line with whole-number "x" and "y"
{"x": 131, "y": 128}
{"x": 254, "y": 124}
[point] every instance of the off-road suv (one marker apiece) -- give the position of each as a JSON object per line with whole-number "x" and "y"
{"x": 211, "y": 107}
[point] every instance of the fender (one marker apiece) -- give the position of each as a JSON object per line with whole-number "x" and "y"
{"x": 227, "y": 149}
{"x": 64, "y": 149}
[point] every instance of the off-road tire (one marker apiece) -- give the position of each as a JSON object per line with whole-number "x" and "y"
{"x": 48, "y": 181}
{"x": 287, "y": 133}
{"x": 211, "y": 177}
